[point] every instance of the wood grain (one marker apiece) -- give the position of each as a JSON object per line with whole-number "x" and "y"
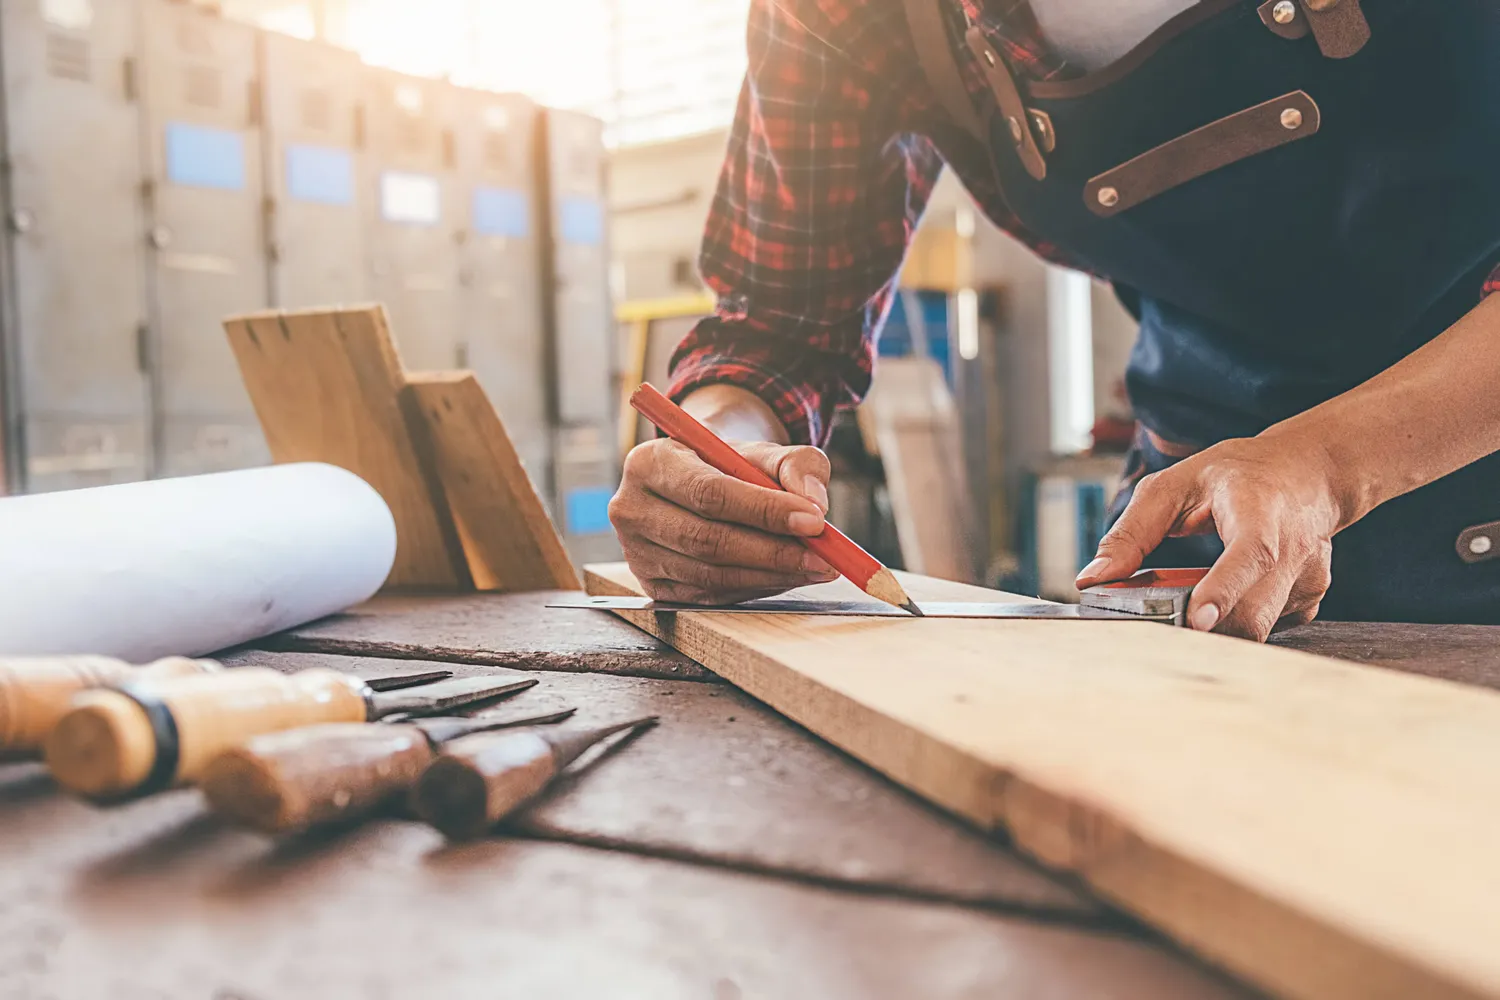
{"x": 1322, "y": 829}
{"x": 505, "y": 630}
{"x": 725, "y": 781}
{"x": 388, "y": 910}
{"x": 510, "y": 542}
{"x": 328, "y": 387}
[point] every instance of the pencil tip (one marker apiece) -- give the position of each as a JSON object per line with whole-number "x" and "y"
{"x": 911, "y": 606}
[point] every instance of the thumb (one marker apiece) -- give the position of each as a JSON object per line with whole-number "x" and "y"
{"x": 1152, "y": 511}
{"x": 798, "y": 468}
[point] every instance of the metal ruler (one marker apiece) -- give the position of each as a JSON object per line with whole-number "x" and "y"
{"x": 794, "y": 605}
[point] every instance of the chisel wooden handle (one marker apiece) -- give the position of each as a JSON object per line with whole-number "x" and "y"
{"x": 35, "y": 691}
{"x": 477, "y": 780}
{"x": 283, "y": 782}
{"x": 145, "y": 736}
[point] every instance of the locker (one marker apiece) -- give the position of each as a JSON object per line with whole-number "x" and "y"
{"x": 500, "y": 333}
{"x": 581, "y": 331}
{"x": 206, "y": 256}
{"x": 315, "y": 198}
{"x": 413, "y": 216}
{"x": 582, "y": 327}
{"x": 78, "y": 410}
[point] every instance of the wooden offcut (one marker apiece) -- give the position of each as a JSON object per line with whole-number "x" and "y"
{"x": 912, "y": 422}
{"x": 510, "y": 542}
{"x": 327, "y": 387}
{"x": 1323, "y": 829}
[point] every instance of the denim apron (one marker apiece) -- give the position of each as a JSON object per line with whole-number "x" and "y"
{"x": 1290, "y": 201}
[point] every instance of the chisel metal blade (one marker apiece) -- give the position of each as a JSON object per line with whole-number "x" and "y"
{"x": 443, "y": 730}
{"x": 445, "y": 696}
{"x": 396, "y": 682}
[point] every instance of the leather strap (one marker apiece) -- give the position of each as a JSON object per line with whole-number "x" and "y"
{"x": 1203, "y": 150}
{"x": 924, "y": 18}
{"x": 1008, "y": 96}
{"x": 1338, "y": 25}
{"x": 1479, "y": 543}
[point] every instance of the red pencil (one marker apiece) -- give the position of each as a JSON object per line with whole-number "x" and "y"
{"x": 835, "y": 547}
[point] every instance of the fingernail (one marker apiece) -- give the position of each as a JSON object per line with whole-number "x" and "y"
{"x": 814, "y": 490}
{"x": 1206, "y": 617}
{"x": 813, "y": 564}
{"x": 803, "y": 523}
{"x": 1094, "y": 569}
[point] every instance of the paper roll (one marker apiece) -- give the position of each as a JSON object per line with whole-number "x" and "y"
{"x": 188, "y": 566}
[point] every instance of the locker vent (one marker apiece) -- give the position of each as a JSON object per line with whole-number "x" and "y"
{"x": 68, "y": 57}
{"x": 497, "y": 151}
{"x": 317, "y": 110}
{"x": 203, "y": 86}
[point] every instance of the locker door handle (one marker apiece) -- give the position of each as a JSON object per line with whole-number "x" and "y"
{"x": 143, "y": 347}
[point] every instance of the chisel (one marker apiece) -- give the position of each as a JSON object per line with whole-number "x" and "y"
{"x": 137, "y": 738}
{"x": 35, "y": 691}
{"x": 291, "y": 781}
{"x": 478, "y": 781}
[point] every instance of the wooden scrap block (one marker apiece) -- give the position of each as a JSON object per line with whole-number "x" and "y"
{"x": 510, "y": 542}
{"x": 1320, "y": 828}
{"x": 911, "y": 418}
{"x": 328, "y": 386}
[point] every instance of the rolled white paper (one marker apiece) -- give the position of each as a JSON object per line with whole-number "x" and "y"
{"x": 188, "y": 566}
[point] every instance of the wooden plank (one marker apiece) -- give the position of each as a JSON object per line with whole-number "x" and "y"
{"x": 726, "y": 781}
{"x": 507, "y": 630}
{"x": 915, "y": 429}
{"x": 389, "y": 910}
{"x": 1320, "y": 828}
{"x": 510, "y": 542}
{"x": 327, "y": 387}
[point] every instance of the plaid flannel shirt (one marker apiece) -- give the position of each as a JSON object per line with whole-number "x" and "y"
{"x": 837, "y": 142}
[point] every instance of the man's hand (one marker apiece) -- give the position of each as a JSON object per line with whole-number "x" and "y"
{"x": 1274, "y": 504}
{"x": 694, "y": 535}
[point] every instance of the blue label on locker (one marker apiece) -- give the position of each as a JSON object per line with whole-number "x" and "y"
{"x": 320, "y": 173}
{"x": 501, "y": 212}
{"x": 588, "y": 510}
{"x": 581, "y": 220}
{"x": 205, "y": 157}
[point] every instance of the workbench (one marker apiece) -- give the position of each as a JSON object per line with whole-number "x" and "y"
{"x": 725, "y": 854}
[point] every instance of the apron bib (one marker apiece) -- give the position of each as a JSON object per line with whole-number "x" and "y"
{"x": 1288, "y": 208}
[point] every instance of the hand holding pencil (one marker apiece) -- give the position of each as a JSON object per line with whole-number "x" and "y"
{"x": 696, "y": 535}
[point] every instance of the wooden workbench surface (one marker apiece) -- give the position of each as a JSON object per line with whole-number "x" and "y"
{"x": 725, "y": 854}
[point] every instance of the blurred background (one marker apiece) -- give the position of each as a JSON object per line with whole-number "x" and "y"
{"x": 523, "y": 185}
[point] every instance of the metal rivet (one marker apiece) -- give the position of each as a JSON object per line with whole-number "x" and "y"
{"x": 1108, "y": 197}
{"x": 1041, "y": 125}
{"x": 1015, "y": 128}
{"x": 989, "y": 57}
{"x": 1480, "y": 544}
{"x": 1291, "y": 118}
{"x": 1284, "y": 12}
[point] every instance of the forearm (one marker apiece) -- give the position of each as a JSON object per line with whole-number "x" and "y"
{"x": 735, "y": 414}
{"x": 1433, "y": 412}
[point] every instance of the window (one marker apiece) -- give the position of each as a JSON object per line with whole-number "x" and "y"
{"x": 652, "y": 69}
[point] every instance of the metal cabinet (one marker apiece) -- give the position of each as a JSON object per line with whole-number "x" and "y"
{"x": 76, "y": 394}
{"x": 201, "y": 111}
{"x": 580, "y": 329}
{"x": 413, "y": 215}
{"x": 501, "y": 336}
{"x": 316, "y": 195}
